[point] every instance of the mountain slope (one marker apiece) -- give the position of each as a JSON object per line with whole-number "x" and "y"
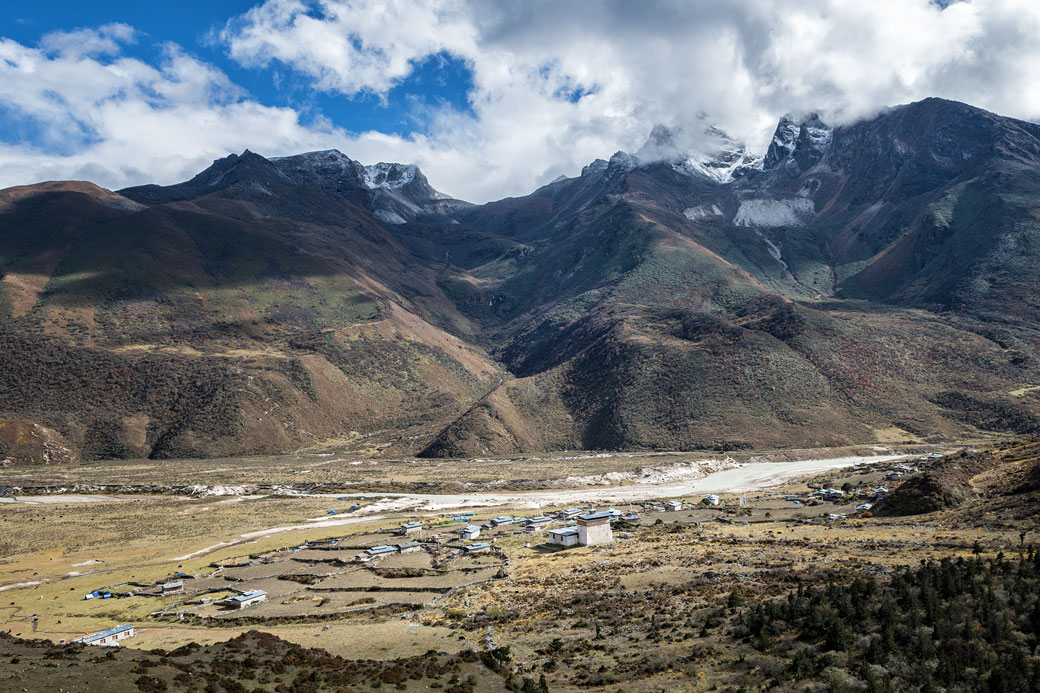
{"x": 872, "y": 281}
{"x": 660, "y": 304}
{"x": 209, "y": 327}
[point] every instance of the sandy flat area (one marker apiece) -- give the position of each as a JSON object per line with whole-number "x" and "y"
{"x": 74, "y": 498}
{"x": 736, "y": 479}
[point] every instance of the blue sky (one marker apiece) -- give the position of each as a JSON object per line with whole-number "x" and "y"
{"x": 194, "y": 25}
{"x": 490, "y": 97}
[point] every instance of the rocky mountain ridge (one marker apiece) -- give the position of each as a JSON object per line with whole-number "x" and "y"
{"x": 868, "y": 282}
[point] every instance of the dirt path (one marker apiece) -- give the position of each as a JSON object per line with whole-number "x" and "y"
{"x": 312, "y": 525}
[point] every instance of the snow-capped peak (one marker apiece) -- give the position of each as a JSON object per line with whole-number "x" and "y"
{"x": 699, "y": 150}
{"x": 326, "y": 158}
{"x": 389, "y": 176}
{"x": 723, "y": 167}
{"x": 798, "y": 142}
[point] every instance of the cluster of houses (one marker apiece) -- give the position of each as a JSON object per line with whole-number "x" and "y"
{"x": 590, "y": 529}
{"x": 828, "y": 494}
{"x": 901, "y": 470}
{"x": 585, "y": 527}
{"x": 837, "y": 495}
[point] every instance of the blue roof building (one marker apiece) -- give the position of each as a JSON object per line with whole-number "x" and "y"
{"x": 107, "y": 637}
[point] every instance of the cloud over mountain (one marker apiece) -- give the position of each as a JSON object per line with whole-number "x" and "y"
{"x": 554, "y": 85}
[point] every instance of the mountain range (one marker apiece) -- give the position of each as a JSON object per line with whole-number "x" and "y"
{"x": 871, "y": 282}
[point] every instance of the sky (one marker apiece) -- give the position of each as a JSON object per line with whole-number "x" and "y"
{"x": 491, "y": 98}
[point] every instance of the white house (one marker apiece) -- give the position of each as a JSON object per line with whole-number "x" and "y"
{"x": 712, "y": 499}
{"x": 568, "y": 536}
{"x": 172, "y": 587}
{"x": 468, "y": 532}
{"x": 410, "y": 528}
{"x": 673, "y": 506}
{"x": 409, "y": 547}
{"x": 594, "y": 528}
{"x": 109, "y": 637}
{"x": 479, "y": 547}
{"x": 245, "y": 599}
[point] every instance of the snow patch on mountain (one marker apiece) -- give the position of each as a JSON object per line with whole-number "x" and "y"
{"x": 770, "y": 213}
{"x": 326, "y": 159}
{"x": 701, "y": 149}
{"x": 702, "y": 212}
{"x": 389, "y": 176}
{"x": 722, "y": 167}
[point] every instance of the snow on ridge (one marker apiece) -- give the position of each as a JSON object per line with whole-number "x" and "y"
{"x": 702, "y": 212}
{"x": 722, "y": 167}
{"x": 389, "y": 176}
{"x": 323, "y": 156}
{"x": 766, "y": 213}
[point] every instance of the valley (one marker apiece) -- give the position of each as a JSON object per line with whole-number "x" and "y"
{"x": 303, "y": 423}
{"x": 565, "y": 614}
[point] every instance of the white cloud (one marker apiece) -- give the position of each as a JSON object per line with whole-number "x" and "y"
{"x": 126, "y": 122}
{"x": 642, "y": 63}
{"x": 632, "y": 65}
{"x": 104, "y": 40}
{"x": 351, "y": 47}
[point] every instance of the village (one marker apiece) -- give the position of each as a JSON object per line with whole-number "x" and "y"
{"x": 583, "y": 594}
{"x": 395, "y": 570}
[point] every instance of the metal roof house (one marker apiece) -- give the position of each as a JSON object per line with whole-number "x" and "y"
{"x": 468, "y": 532}
{"x": 568, "y": 513}
{"x": 109, "y": 637}
{"x": 537, "y": 523}
{"x": 502, "y": 520}
{"x": 410, "y": 527}
{"x": 568, "y": 536}
{"x": 594, "y": 528}
{"x": 245, "y": 599}
{"x": 170, "y": 587}
{"x": 380, "y": 550}
{"x": 409, "y": 547}
{"x": 479, "y": 547}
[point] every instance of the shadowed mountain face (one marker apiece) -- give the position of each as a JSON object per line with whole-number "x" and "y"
{"x": 871, "y": 282}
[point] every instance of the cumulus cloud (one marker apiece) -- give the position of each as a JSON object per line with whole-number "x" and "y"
{"x": 554, "y": 84}
{"x": 120, "y": 121}
{"x": 557, "y": 83}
